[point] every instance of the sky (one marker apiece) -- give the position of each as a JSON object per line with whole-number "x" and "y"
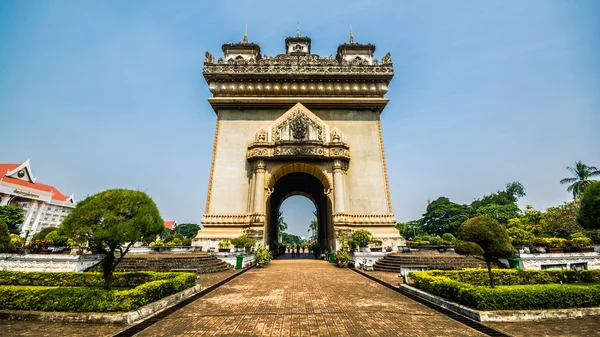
{"x": 107, "y": 94}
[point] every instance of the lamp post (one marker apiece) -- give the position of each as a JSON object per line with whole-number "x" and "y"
{"x": 27, "y": 234}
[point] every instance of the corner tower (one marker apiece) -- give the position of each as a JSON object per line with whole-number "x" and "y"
{"x": 298, "y": 124}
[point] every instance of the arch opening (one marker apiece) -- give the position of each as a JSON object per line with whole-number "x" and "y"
{"x": 309, "y": 186}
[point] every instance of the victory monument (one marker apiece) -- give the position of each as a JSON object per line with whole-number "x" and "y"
{"x": 298, "y": 124}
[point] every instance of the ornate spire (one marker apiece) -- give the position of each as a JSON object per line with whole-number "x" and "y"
{"x": 298, "y": 30}
{"x": 351, "y": 35}
{"x": 246, "y": 35}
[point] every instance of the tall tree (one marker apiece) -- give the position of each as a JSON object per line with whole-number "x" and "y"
{"x": 510, "y": 195}
{"x": 582, "y": 178}
{"x": 12, "y": 216}
{"x": 561, "y": 221}
{"x": 485, "y": 238}
{"x": 112, "y": 221}
{"x": 589, "y": 213}
{"x": 444, "y": 216}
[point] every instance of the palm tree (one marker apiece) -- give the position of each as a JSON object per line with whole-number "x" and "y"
{"x": 582, "y": 174}
{"x": 281, "y": 225}
{"x": 314, "y": 224}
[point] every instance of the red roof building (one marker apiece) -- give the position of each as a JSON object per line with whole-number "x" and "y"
{"x": 170, "y": 224}
{"x": 44, "y": 205}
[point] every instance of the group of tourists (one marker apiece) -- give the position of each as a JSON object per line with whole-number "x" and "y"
{"x": 296, "y": 250}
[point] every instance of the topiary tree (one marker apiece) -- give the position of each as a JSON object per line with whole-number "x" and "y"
{"x": 112, "y": 221}
{"x": 361, "y": 237}
{"x": 589, "y": 210}
{"x": 57, "y": 239}
{"x": 5, "y": 245}
{"x": 484, "y": 238}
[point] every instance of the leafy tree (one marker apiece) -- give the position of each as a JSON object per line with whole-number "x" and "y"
{"x": 589, "y": 212}
{"x": 502, "y": 213}
{"x": 581, "y": 180}
{"x": 510, "y": 195}
{"x": 532, "y": 221}
{"x": 112, "y": 221}
{"x": 486, "y": 238}
{"x": 41, "y": 235}
{"x": 409, "y": 230}
{"x": 361, "y": 237}
{"x": 57, "y": 239}
{"x": 444, "y": 216}
{"x": 188, "y": 230}
{"x": 12, "y": 216}
{"x": 5, "y": 245}
{"x": 561, "y": 221}
{"x": 290, "y": 239}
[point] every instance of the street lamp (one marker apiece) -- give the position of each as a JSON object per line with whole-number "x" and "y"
{"x": 27, "y": 233}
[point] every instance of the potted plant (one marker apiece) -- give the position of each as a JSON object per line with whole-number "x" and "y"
{"x": 224, "y": 246}
{"x": 262, "y": 256}
{"x": 555, "y": 245}
{"x": 362, "y": 238}
{"x": 585, "y": 245}
{"x": 342, "y": 258}
{"x": 376, "y": 245}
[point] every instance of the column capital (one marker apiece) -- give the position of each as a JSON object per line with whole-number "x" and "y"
{"x": 260, "y": 166}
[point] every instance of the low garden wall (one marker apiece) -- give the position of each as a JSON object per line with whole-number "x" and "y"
{"x": 516, "y": 290}
{"x": 149, "y": 250}
{"x": 537, "y": 261}
{"x": 82, "y": 292}
{"x": 48, "y": 262}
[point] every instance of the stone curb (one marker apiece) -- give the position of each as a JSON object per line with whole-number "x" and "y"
{"x": 503, "y": 315}
{"x": 97, "y": 317}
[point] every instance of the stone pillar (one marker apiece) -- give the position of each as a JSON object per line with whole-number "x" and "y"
{"x": 4, "y": 200}
{"x": 28, "y": 215}
{"x": 259, "y": 187}
{"x": 36, "y": 223}
{"x": 338, "y": 187}
{"x": 252, "y": 192}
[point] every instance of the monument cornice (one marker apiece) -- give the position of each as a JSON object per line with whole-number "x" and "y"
{"x": 374, "y": 104}
{"x": 297, "y": 67}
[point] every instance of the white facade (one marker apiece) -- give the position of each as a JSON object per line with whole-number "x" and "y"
{"x": 43, "y": 205}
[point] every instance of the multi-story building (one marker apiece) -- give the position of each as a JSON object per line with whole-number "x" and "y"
{"x": 43, "y": 205}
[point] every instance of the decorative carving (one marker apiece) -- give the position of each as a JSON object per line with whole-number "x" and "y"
{"x": 232, "y": 219}
{"x": 208, "y": 58}
{"x": 385, "y": 175}
{"x": 363, "y": 219}
{"x": 336, "y": 136}
{"x": 387, "y": 59}
{"x": 261, "y": 136}
{"x": 299, "y": 127}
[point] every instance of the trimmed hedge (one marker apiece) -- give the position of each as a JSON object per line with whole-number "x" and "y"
{"x": 516, "y": 297}
{"x": 590, "y": 275}
{"x": 81, "y": 294}
{"x": 508, "y": 277}
{"x": 62, "y": 279}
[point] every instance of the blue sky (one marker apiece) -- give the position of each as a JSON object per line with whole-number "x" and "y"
{"x": 110, "y": 94}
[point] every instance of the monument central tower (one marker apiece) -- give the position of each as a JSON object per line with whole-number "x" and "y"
{"x": 298, "y": 124}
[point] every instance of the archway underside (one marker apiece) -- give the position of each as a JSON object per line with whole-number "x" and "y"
{"x": 300, "y": 183}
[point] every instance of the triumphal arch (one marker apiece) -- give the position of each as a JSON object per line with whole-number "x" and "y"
{"x": 298, "y": 124}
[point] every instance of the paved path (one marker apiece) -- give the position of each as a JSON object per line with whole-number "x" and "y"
{"x": 305, "y": 298}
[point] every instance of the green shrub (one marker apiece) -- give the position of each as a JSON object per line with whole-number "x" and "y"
{"x": 81, "y": 292}
{"x": 158, "y": 243}
{"x": 168, "y": 238}
{"x": 436, "y": 240}
{"x": 448, "y": 237}
{"x": 505, "y": 277}
{"x": 590, "y": 275}
{"x": 518, "y": 297}
{"x": 6, "y": 246}
{"x": 57, "y": 240}
{"x": 41, "y": 235}
{"x": 417, "y": 243}
{"x": 186, "y": 242}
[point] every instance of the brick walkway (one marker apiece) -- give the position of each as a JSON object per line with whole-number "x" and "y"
{"x": 305, "y": 298}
